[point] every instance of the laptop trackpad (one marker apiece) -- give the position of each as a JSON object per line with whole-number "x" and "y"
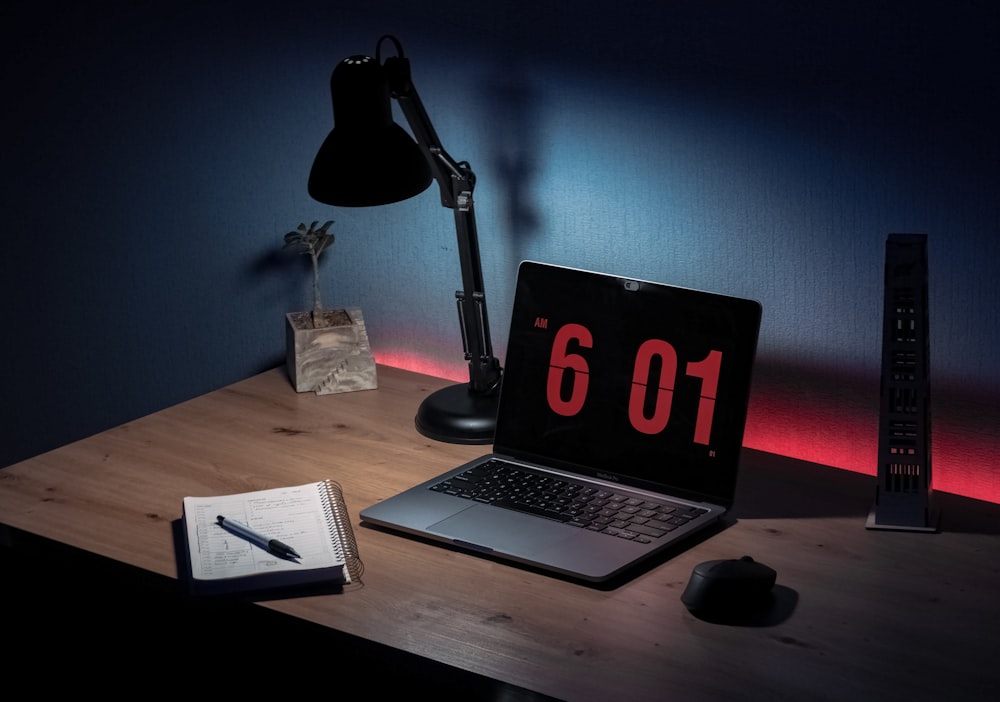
{"x": 502, "y": 530}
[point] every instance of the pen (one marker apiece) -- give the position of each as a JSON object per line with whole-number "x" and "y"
{"x": 273, "y": 545}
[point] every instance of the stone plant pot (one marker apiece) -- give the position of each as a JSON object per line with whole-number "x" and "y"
{"x": 331, "y": 359}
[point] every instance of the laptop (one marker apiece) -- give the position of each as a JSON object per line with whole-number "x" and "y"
{"x": 618, "y": 432}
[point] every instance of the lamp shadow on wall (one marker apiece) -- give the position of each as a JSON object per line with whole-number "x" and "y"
{"x": 509, "y": 106}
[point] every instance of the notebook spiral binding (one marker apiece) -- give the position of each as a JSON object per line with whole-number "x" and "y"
{"x": 339, "y": 521}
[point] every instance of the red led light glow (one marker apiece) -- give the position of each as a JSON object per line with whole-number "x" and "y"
{"x": 836, "y": 426}
{"x": 850, "y": 442}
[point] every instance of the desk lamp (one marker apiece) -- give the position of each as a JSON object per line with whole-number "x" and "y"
{"x": 368, "y": 160}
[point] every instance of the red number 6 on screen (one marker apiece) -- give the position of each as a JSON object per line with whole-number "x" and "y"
{"x": 562, "y": 360}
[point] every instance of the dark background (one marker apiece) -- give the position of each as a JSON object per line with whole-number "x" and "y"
{"x": 155, "y": 153}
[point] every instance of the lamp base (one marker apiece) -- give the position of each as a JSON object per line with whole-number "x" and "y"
{"x": 457, "y": 415}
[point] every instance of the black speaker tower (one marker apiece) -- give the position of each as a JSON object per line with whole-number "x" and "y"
{"x": 904, "y": 494}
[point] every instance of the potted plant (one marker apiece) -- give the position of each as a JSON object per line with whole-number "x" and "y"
{"x": 327, "y": 350}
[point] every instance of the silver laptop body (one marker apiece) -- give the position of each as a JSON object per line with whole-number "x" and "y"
{"x": 637, "y": 389}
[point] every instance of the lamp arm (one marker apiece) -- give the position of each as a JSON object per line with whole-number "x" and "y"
{"x": 456, "y": 182}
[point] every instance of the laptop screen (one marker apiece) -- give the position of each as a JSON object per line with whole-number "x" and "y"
{"x": 637, "y": 382}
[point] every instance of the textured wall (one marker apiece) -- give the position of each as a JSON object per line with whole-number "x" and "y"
{"x": 154, "y": 157}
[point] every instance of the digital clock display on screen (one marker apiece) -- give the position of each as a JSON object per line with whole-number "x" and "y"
{"x": 647, "y": 383}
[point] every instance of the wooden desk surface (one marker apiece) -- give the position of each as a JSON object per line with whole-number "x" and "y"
{"x": 871, "y": 614}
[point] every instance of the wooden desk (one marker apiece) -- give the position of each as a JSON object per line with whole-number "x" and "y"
{"x": 870, "y": 614}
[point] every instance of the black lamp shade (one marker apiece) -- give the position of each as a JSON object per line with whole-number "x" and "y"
{"x": 367, "y": 159}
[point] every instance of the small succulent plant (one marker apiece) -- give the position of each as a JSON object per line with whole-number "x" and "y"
{"x": 312, "y": 240}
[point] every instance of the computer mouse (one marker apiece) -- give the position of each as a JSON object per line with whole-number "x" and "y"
{"x": 729, "y": 587}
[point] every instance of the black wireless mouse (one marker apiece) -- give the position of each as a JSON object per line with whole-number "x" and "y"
{"x": 729, "y": 587}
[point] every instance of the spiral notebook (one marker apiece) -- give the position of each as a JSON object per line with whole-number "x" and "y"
{"x": 312, "y": 519}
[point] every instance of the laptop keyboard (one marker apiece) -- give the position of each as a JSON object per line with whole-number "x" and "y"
{"x": 510, "y": 486}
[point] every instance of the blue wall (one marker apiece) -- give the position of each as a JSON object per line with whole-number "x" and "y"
{"x": 155, "y": 154}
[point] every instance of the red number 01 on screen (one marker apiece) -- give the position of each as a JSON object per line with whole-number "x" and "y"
{"x": 706, "y": 369}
